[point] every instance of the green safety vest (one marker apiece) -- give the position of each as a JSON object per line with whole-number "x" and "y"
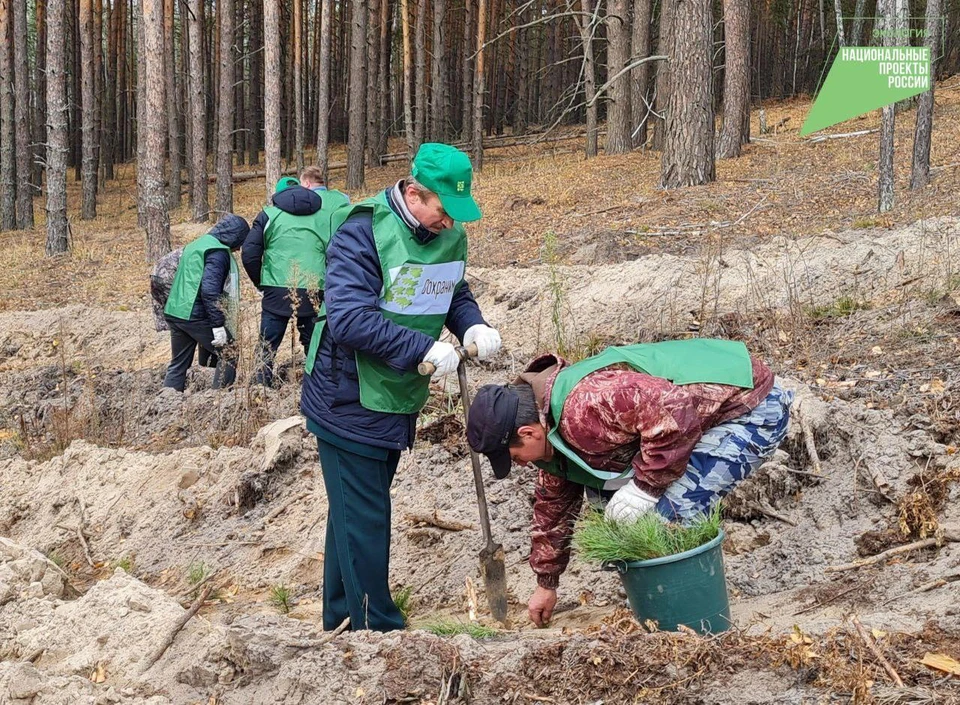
{"x": 419, "y": 282}
{"x": 186, "y": 282}
{"x": 699, "y": 360}
{"x": 294, "y": 246}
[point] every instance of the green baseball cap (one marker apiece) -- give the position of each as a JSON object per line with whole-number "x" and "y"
{"x": 447, "y": 172}
{"x": 286, "y": 182}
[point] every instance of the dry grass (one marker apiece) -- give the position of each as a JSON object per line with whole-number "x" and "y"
{"x": 797, "y": 188}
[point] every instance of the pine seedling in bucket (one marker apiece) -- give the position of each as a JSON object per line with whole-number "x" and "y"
{"x": 672, "y": 573}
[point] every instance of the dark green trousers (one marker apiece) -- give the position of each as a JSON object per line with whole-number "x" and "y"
{"x": 356, "y": 561}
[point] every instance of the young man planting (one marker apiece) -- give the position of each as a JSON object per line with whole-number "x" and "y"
{"x": 664, "y": 427}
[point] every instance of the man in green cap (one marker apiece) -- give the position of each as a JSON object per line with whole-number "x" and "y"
{"x": 284, "y": 257}
{"x": 394, "y": 279}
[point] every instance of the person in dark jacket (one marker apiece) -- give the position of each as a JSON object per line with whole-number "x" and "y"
{"x": 284, "y": 256}
{"x": 395, "y": 278}
{"x": 194, "y": 311}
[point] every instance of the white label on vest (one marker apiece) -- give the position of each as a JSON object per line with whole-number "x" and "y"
{"x": 422, "y": 289}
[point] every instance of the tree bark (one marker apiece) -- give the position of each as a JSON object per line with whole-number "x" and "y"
{"x": 887, "y": 123}
{"x": 153, "y": 130}
{"x": 323, "y": 92}
{"x": 838, "y": 11}
{"x": 358, "y": 92}
{"x": 40, "y": 92}
{"x": 254, "y": 60}
{"x": 298, "y": 82}
{"x": 439, "y": 72}
{"x": 420, "y": 58}
{"x": 224, "y": 203}
{"x": 88, "y": 209}
{"x": 857, "y": 32}
{"x": 586, "y": 27}
{"x": 735, "y": 131}
{"x": 640, "y": 76}
{"x": 383, "y": 75}
{"x": 173, "y": 117}
{"x": 688, "y": 151}
{"x": 98, "y": 91}
{"x": 920, "y": 170}
{"x": 198, "y": 114}
{"x": 618, "y": 56}
{"x": 466, "y": 131}
{"x": 665, "y": 47}
{"x": 409, "y": 128}
{"x": 8, "y": 163}
{"x": 373, "y": 81}
{"x": 140, "y": 112}
{"x": 21, "y": 78}
{"x": 57, "y": 232}
{"x": 478, "y": 87}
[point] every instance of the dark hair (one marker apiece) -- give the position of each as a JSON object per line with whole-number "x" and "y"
{"x": 527, "y": 412}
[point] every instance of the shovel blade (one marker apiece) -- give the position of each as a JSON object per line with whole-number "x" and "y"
{"x": 495, "y": 581}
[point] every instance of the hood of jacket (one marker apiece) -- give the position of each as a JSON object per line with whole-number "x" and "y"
{"x": 297, "y": 200}
{"x": 231, "y": 230}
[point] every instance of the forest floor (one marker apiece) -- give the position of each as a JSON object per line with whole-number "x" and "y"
{"x": 119, "y": 498}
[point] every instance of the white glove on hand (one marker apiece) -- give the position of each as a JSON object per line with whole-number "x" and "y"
{"x": 486, "y": 339}
{"x": 219, "y": 337}
{"x": 444, "y": 357}
{"x": 629, "y": 503}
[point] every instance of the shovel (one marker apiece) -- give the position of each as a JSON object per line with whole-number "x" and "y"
{"x": 491, "y": 555}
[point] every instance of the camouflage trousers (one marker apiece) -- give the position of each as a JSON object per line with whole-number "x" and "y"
{"x": 725, "y": 455}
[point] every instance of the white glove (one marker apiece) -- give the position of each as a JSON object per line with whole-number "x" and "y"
{"x": 486, "y": 339}
{"x": 444, "y": 357}
{"x": 629, "y": 503}
{"x": 219, "y": 337}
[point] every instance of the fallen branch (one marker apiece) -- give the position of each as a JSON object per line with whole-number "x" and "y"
{"x": 325, "y": 639}
{"x": 926, "y": 587}
{"x": 194, "y": 608}
{"x": 274, "y": 513}
{"x": 769, "y": 512}
{"x": 879, "y": 481}
{"x": 826, "y": 602}
{"x": 889, "y": 553}
{"x": 435, "y": 520}
{"x": 868, "y": 640}
{"x": 844, "y": 135}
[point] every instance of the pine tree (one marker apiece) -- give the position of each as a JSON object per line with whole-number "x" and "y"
{"x": 57, "y": 228}
{"x": 153, "y": 131}
{"x": 225, "y": 16}
{"x": 736, "y": 79}
{"x": 271, "y": 92}
{"x": 21, "y": 77}
{"x": 198, "y": 114}
{"x": 358, "y": 89}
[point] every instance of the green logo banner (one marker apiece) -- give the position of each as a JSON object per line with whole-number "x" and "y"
{"x": 862, "y": 79}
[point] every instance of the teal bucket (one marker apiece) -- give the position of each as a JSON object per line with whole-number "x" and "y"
{"x": 687, "y": 589}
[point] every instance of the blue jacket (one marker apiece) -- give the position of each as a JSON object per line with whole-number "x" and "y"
{"x": 230, "y": 230}
{"x": 295, "y": 200}
{"x": 331, "y": 394}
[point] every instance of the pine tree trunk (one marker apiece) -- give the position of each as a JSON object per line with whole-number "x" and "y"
{"x": 887, "y": 123}
{"x": 154, "y": 129}
{"x": 183, "y": 96}
{"x": 383, "y": 75}
{"x": 240, "y": 83}
{"x": 40, "y": 94}
{"x": 640, "y": 76}
{"x": 297, "y": 50}
{"x": 57, "y": 240}
{"x": 198, "y": 114}
{"x": 88, "y": 209}
{"x": 467, "y": 98}
{"x": 587, "y": 18}
{"x": 618, "y": 57}
{"x": 323, "y": 91}
{"x": 735, "y": 131}
{"x": 8, "y": 164}
{"x": 838, "y": 10}
{"x": 688, "y": 150}
{"x": 920, "y": 170}
{"x": 409, "y": 128}
{"x": 98, "y": 91}
{"x": 478, "y": 87}
{"x": 358, "y": 95}
{"x": 224, "y": 203}
{"x": 141, "y": 118}
{"x": 665, "y": 47}
{"x": 420, "y": 70}
{"x": 173, "y": 117}
{"x": 21, "y": 78}
{"x": 857, "y": 33}
{"x": 254, "y": 61}
{"x": 373, "y": 79}
{"x": 439, "y": 71}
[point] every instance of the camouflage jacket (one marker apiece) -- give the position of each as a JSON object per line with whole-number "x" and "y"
{"x": 618, "y": 417}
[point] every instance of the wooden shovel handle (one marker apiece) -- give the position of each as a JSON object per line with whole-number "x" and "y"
{"x": 428, "y": 368}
